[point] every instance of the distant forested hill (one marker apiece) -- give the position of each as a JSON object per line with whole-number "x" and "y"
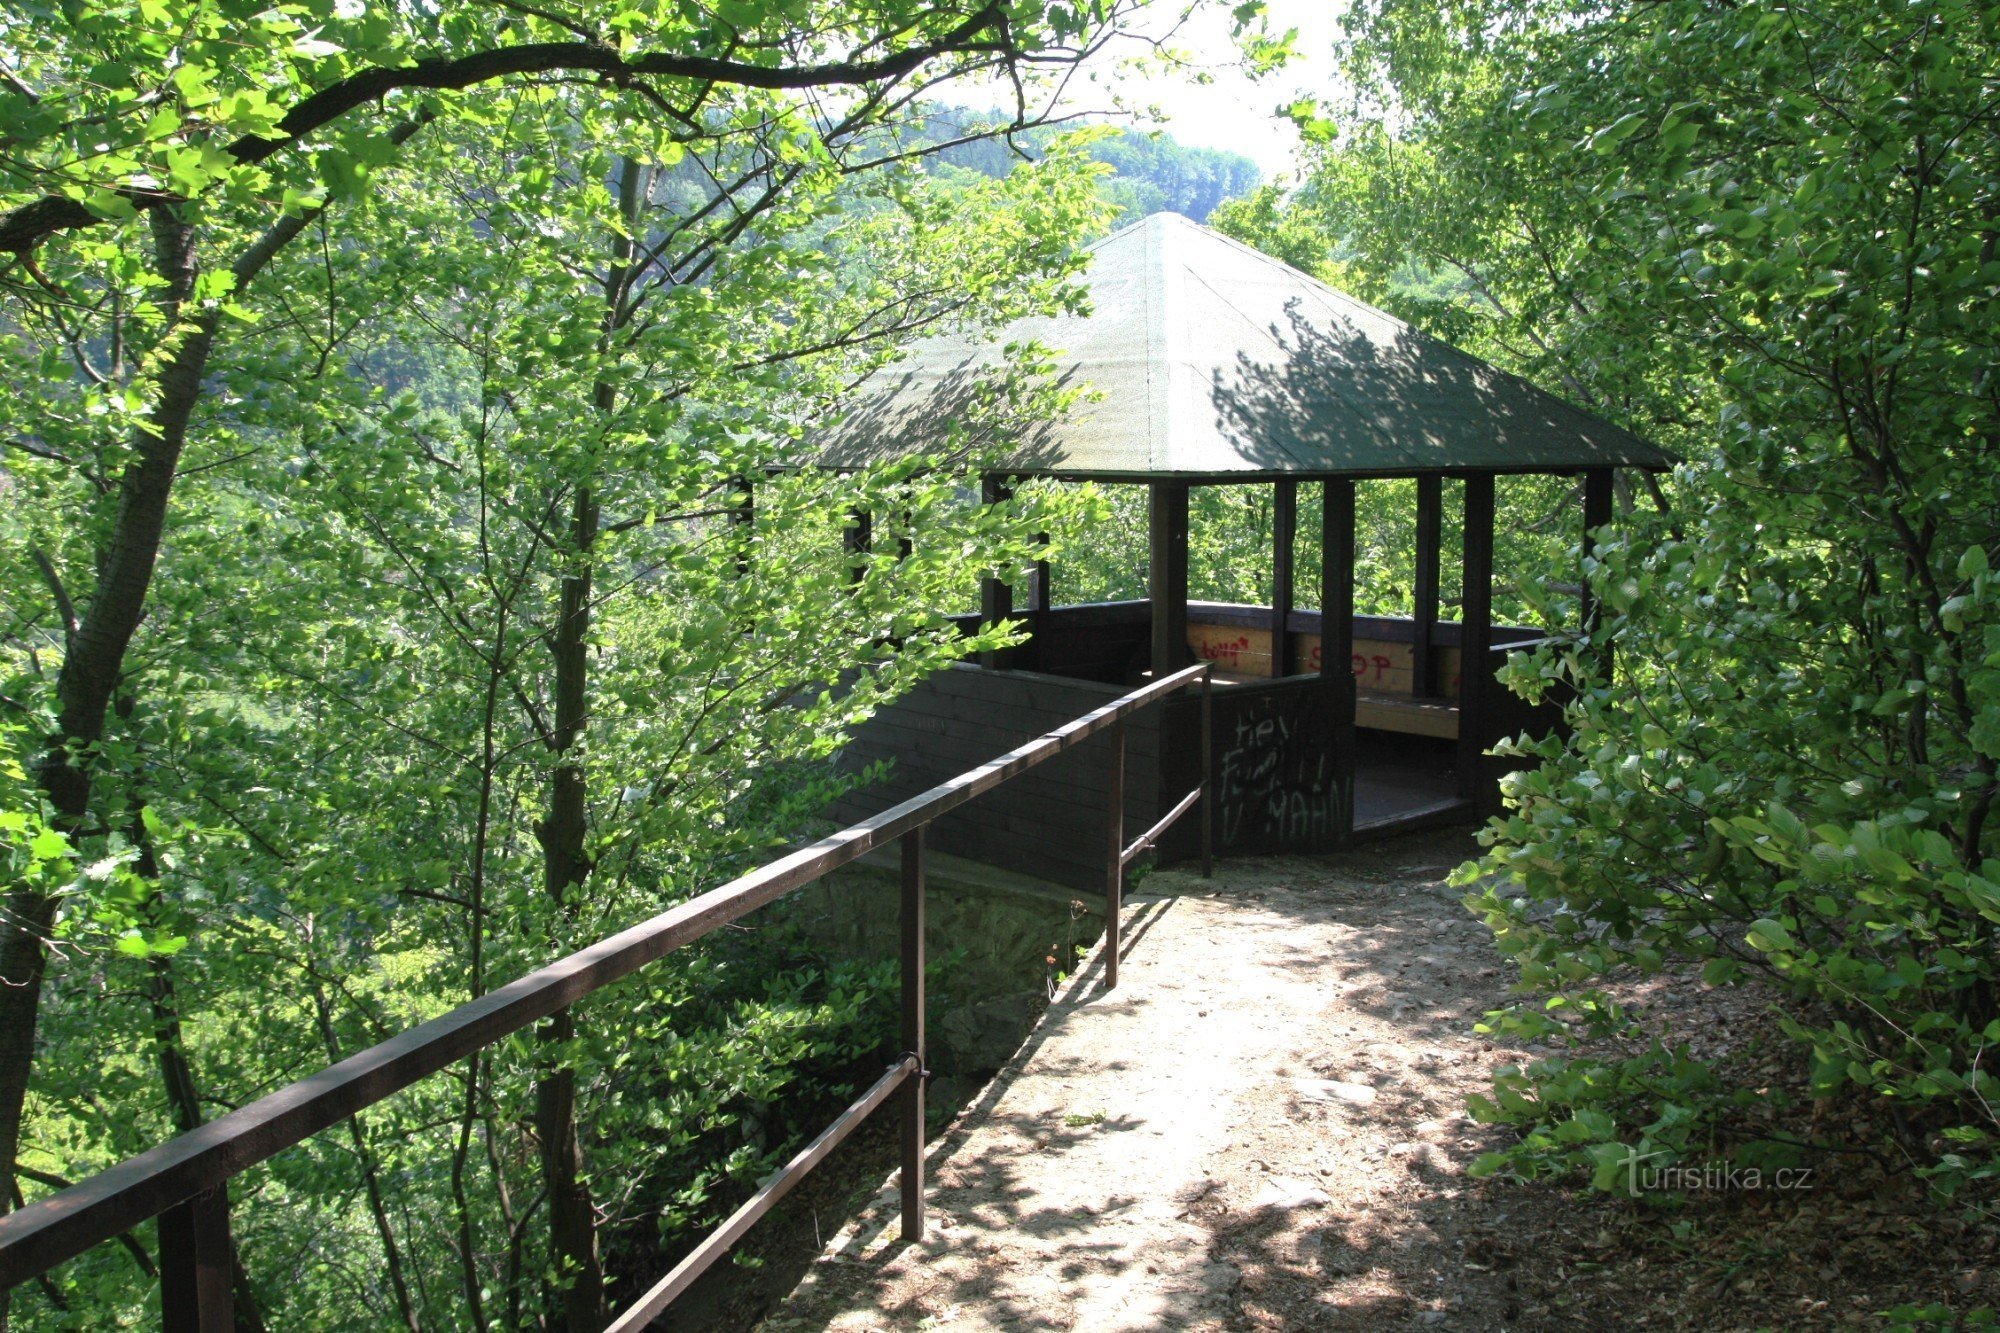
{"x": 1154, "y": 172}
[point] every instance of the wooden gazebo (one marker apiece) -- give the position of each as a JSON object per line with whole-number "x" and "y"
{"x": 1213, "y": 364}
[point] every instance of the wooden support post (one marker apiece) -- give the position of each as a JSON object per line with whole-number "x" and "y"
{"x": 1596, "y": 514}
{"x": 996, "y": 596}
{"x": 1336, "y": 630}
{"x": 195, "y": 1265}
{"x": 1475, "y": 640}
{"x": 1424, "y": 612}
{"x": 856, "y": 539}
{"x": 1114, "y": 851}
{"x": 1038, "y": 606}
{"x": 1208, "y": 774}
{"x": 1284, "y": 526}
{"x": 742, "y": 517}
{"x": 1336, "y": 581}
{"x": 1167, "y": 532}
{"x": 1039, "y": 597}
{"x": 912, "y": 1180}
{"x": 900, "y": 522}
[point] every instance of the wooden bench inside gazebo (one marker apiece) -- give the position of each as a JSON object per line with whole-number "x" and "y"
{"x": 1211, "y": 364}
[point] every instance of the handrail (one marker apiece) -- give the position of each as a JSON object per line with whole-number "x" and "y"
{"x": 1150, "y": 839}
{"x": 187, "y": 1173}
{"x": 1118, "y": 855}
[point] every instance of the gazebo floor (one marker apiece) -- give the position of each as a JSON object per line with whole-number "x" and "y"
{"x": 1394, "y": 794}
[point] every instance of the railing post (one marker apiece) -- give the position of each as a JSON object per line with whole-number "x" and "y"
{"x": 1596, "y": 514}
{"x": 912, "y": 1182}
{"x": 1114, "y": 851}
{"x": 1207, "y": 775}
{"x": 195, "y": 1265}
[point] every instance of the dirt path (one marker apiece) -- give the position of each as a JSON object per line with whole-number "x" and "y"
{"x": 1286, "y": 1049}
{"x": 1262, "y": 1128}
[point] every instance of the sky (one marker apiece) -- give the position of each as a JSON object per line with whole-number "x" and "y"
{"x": 1230, "y": 111}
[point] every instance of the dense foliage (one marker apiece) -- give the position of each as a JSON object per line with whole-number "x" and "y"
{"x": 1764, "y": 236}
{"x": 385, "y": 394}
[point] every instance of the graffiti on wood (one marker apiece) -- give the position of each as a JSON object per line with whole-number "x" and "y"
{"x": 1379, "y": 664}
{"x": 1232, "y": 648}
{"x": 1276, "y": 777}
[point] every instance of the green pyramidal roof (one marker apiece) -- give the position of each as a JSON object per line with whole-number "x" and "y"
{"x": 1206, "y": 358}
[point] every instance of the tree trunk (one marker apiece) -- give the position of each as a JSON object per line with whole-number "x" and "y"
{"x": 565, "y": 866}
{"x": 564, "y": 833}
{"x": 96, "y": 655}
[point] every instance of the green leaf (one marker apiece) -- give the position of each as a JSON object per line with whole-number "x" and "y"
{"x": 1617, "y": 132}
{"x": 1771, "y": 936}
{"x": 49, "y": 845}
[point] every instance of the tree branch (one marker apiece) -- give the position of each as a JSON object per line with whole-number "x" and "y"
{"x": 29, "y": 224}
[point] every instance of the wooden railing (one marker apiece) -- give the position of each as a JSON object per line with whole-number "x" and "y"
{"x": 184, "y": 1182}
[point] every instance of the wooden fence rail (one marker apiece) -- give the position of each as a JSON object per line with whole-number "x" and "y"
{"x": 184, "y": 1182}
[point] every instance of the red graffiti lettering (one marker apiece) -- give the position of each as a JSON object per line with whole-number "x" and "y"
{"x": 1228, "y": 650}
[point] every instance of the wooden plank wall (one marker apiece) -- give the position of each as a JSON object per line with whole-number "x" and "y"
{"x": 1378, "y": 664}
{"x": 1278, "y": 787}
{"x": 1237, "y": 639}
{"x": 1108, "y": 642}
{"x": 1049, "y": 822}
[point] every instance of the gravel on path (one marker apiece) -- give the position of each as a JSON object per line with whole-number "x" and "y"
{"x": 1260, "y": 1126}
